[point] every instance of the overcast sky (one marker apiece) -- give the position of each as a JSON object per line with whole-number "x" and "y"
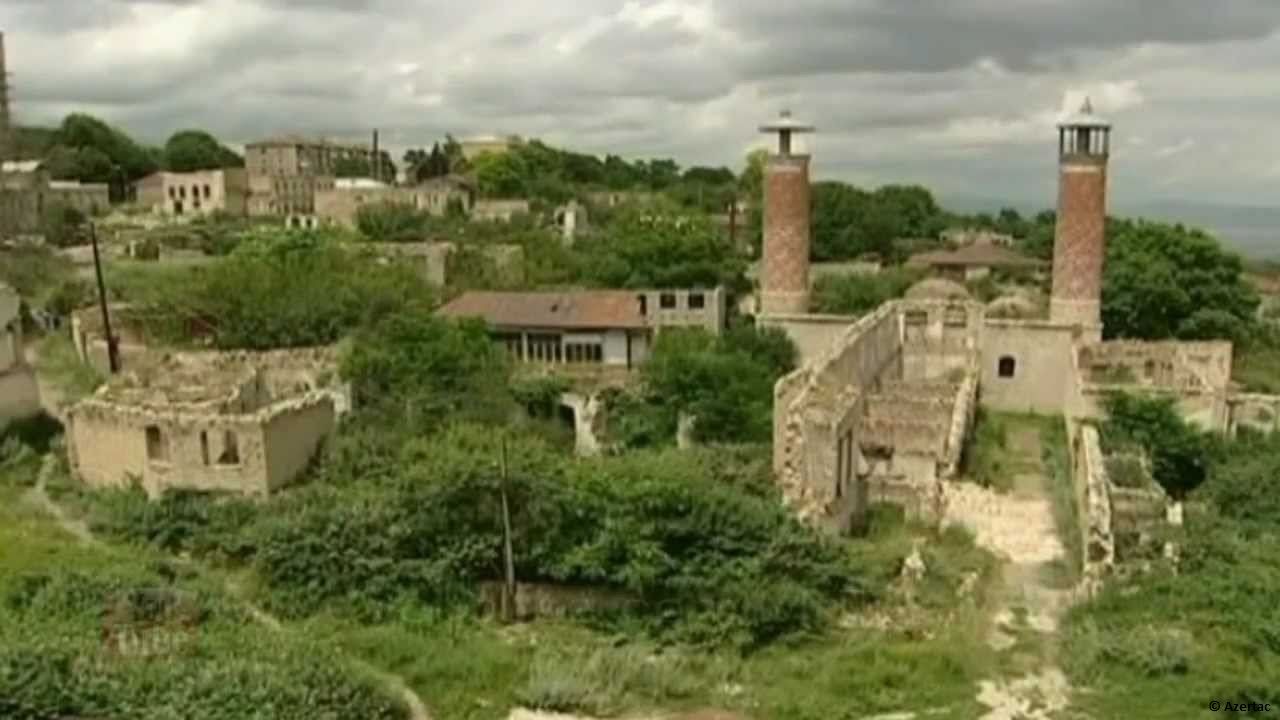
{"x": 961, "y": 95}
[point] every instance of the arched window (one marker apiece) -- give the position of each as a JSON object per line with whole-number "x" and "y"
{"x": 1007, "y": 367}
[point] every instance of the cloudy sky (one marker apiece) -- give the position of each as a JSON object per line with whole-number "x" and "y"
{"x": 960, "y": 95}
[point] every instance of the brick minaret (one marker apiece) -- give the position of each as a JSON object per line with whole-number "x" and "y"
{"x": 5, "y": 137}
{"x": 784, "y": 274}
{"x": 1084, "y": 144}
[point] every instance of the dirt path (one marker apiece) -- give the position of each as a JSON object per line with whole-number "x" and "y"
{"x": 1019, "y": 528}
{"x": 39, "y": 496}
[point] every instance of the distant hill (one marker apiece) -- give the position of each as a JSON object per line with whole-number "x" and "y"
{"x": 1253, "y": 231}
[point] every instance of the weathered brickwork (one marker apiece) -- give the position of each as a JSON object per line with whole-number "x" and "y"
{"x": 785, "y": 276}
{"x": 1080, "y": 242}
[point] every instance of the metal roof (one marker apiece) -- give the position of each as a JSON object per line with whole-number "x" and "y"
{"x": 1084, "y": 117}
{"x": 788, "y": 123}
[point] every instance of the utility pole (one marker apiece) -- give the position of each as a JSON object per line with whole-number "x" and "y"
{"x": 113, "y": 352}
{"x": 509, "y": 582}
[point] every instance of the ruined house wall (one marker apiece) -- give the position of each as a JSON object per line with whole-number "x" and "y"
{"x": 813, "y": 335}
{"x": 1041, "y": 354}
{"x": 785, "y": 392}
{"x": 1093, "y": 489}
{"x": 113, "y": 444}
{"x": 110, "y": 449}
{"x": 1257, "y": 412}
{"x": 19, "y": 394}
{"x": 817, "y": 416}
{"x": 1197, "y": 374}
{"x": 293, "y": 435}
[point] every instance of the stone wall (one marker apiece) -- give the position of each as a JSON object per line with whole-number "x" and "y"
{"x": 112, "y": 445}
{"x": 939, "y": 338}
{"x": 1026, "y": 365}
{"x": 817, "y": 412}
{"x": 1093, "y": 491}
{"x": 1256, "y": 412}
{"x": 813, "y": 335}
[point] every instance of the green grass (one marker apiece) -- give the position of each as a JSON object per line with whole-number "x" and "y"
{"x": 61, "y": 366}
{"x": 930, "y": 656}
{"x": 1056, "y": 459}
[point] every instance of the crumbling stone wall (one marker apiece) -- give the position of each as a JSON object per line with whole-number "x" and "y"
{"x": 939, "y": 337}
{"x": 1257, "y": 412}
{"x": 849, "y": 428}
{"x": 19, "y": 395}
{"x": 1093, "y": 490}
{"x": 112, "y": 445}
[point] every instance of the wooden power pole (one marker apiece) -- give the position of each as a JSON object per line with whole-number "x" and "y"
{"x": 113, "y": 351}
{"x": 509, "y": 580}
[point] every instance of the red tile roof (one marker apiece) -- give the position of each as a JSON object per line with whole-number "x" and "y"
{"x": 978, "y": 255}
{"x": 595, "y": 309}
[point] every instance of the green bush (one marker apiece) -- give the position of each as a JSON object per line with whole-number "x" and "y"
{"x": 860, "y": 294}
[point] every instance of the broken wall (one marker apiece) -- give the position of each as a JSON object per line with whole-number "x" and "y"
{"x": 1256, "y": 412}
{"x": 813, "y": 335}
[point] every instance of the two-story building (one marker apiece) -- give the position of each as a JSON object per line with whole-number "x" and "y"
{"x": 195, "y": 193}
{"x": 613, "y": 328}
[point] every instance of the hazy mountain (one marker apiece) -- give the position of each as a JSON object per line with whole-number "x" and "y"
{"x": 1253, "y": 231}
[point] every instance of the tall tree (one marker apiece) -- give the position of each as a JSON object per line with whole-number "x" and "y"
{"x": 189, "y": 150}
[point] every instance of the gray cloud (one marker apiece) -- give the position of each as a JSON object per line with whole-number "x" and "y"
{"x": 956, "y": 94}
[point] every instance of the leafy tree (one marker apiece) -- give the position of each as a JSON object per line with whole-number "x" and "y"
{"x": 1179, "y": 453}
{"x": 725, "y": 383}
{"x": 391, "y": 222}
{"x": 361, "y": 167}
{"x": 858, "y": 294}
{"x": 189, "y": 150}
{"x": 1164, "y": 281}
{"x": 425, "y": 369}
{"x": 85, "y": 132}
{"x": 661, "y": 248}
{"x": 63, "y": 225}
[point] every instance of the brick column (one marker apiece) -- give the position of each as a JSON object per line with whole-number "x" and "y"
{"x": 784, "y": 277}
{"x": 1080, "y": 242}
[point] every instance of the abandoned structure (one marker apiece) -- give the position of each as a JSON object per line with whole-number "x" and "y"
{"x": 195, "y": 193}
{"x": 880, "y": 408}
{"x": 19, "y": 394}
{"x": 973, "y": 261}
{"x": 341, "y": 204}
{"x": 608, "y": 328}
{"x": 246, "y": 423}
{"x": 499, "y": 210}
{"x": 960, "y": 237}
{"x": 285, "y": 173}
{"x": 27, "y": 191}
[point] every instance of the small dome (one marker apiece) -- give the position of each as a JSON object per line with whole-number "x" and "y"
{"x": 937, "y": 289}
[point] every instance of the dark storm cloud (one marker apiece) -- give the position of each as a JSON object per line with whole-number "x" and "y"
{"x": 811, "y": 36}
{"x": 900, "y": 89}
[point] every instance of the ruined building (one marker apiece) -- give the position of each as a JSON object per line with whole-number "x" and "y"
{"x": 286, "y": 172}
{"x": 881, "y": 406}
{"x": 246, "y": 423}
{"x": 19, "y": 395}
{"x": 201, "y": 192}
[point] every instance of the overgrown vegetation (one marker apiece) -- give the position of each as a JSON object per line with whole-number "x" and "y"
{"x": 855, "y": 294}
{"x": 1179, "y": 452}
{"x": 1170, "y": 639}
{"x": 276, "y": 290}
{"x": 92, "y": 632}
{"x": 724, "y": 384}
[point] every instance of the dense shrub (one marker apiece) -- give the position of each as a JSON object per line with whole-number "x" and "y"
{"x": 858, "y": 294}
